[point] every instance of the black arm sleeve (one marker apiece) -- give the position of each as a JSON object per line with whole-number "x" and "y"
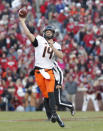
{"x": 35, "y": 43}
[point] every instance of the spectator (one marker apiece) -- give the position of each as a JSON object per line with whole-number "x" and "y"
{"x": 19, "y": 93}
{"x": 71, "y": 89}
{"x": 30, "y": 96}
{"x": 1, "y": 88}
{"x": 100, "y": 84}
{"x": 6, "y": 101}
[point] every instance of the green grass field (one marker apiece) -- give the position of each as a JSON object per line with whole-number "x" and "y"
{"x": 36, "y": 121}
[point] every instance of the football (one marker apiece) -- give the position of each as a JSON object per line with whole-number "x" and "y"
{"x": 23, "y": 12}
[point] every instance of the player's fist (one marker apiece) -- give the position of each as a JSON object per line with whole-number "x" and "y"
{"x": 23, "y": 12}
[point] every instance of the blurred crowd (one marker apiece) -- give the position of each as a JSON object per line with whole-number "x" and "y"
{"x": 79, "y": 30}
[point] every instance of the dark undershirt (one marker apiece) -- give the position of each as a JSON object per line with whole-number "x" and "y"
{"x": 35, "y": 43}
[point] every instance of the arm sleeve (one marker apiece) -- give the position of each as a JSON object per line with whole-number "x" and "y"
{"x": 35, "y": 43}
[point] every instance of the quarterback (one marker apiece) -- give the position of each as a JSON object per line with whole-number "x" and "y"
{"x": 45, "y": 50}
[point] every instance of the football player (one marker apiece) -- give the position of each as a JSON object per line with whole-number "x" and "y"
{"x": 58, "y": 88}
{"x": 45, "y": 50}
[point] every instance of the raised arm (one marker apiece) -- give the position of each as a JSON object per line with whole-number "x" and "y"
{"x": 26, "y": 30}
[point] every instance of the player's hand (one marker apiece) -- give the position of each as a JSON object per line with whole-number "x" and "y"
{"x": 58, "y": 86}
{"x": 51, "y": 42}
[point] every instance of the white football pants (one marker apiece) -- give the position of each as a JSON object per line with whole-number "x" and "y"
{"x": 86, "y": 100}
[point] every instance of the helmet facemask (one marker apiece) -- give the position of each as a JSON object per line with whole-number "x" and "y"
{"x": 48, "y": 28}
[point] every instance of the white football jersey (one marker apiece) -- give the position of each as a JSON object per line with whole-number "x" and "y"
{"x": 44, "y": 55}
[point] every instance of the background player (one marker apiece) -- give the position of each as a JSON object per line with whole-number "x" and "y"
{"x": 58, "y": 88}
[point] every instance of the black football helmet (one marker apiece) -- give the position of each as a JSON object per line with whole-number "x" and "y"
{"x": 51, "y": 28}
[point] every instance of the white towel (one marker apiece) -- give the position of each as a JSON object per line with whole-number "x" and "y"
{"x": 44, "y": 74}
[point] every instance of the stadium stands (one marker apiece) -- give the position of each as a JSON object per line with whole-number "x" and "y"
{"x": 79, "y": 29}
